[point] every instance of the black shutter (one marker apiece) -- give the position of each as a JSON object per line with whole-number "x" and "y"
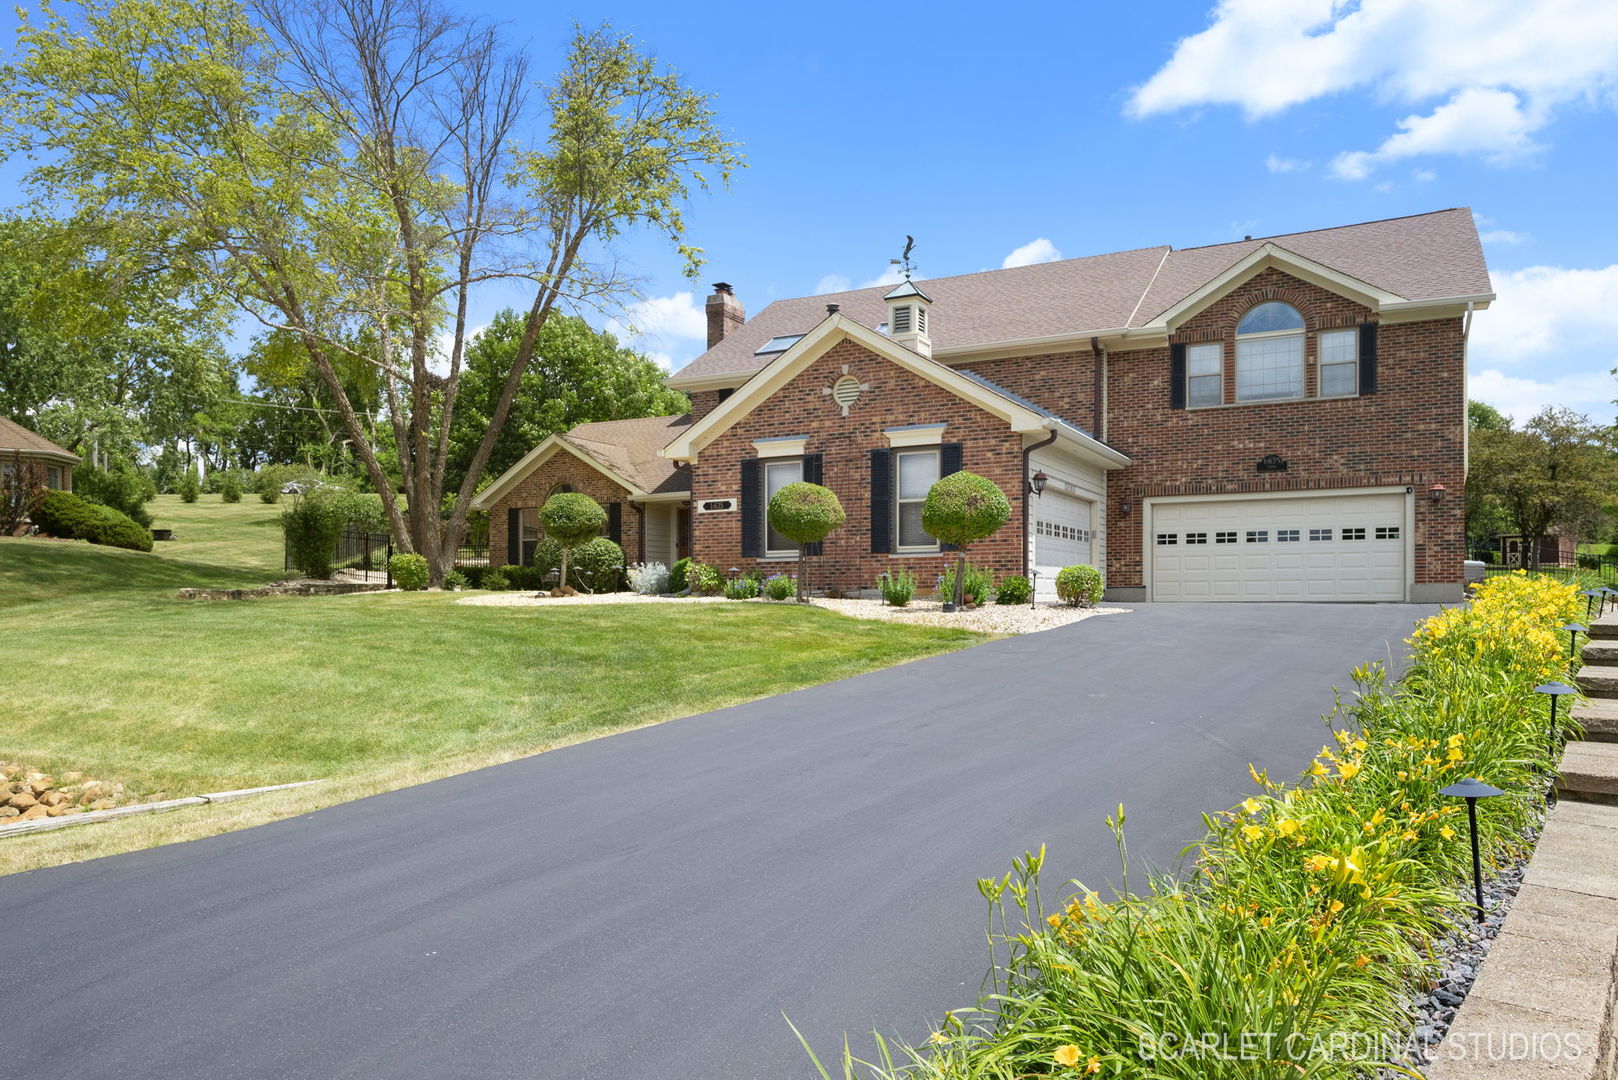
{"x": 949, "y": 461}
{"x": 813, "y": 471}
{"x": 752, "y": 510}
{"x": 513, "y": 537}
{"x": 615, "y": 522}
{"x": 1368, "y": 358}
{"x": 1176, "y": 376}
{"x": 881, "y": 502}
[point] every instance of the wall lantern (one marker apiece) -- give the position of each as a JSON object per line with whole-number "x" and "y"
{"x": 1436, "y": 492}
{"x": 1126, "y": 506}
{"x": 1473, "y": 790}
{"x": 1036, "y": 484}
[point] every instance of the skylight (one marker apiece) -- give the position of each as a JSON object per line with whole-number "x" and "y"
{"x": 778, "y": 344}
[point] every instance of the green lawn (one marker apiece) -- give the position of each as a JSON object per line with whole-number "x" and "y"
{"x": 1599, "y": 549}
{"x": 122, "y": 680}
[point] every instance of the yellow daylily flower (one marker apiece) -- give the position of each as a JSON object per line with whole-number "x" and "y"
{"x": 1067, "y": 1054}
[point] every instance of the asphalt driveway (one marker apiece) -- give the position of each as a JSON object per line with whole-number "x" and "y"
{"x": 649, "y": 905}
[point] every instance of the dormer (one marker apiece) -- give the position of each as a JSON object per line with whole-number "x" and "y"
{"x": 908, "y": 313}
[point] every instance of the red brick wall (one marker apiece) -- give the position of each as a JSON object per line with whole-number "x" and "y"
{"x": 1409, "y": 432}
{"x": 1064, "y": 383}
{"x": 702, "y": 403}
{"x": 534, "y": 488}
{"x": 896, "y": 398}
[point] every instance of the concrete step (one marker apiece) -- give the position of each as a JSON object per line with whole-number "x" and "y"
{"x": 1600, "y": 651}
{"x": 1599, "y": 680}
{"x": 1599, "y": 719}
{"x": 1589, "y": 772}
{"x": 1606, "y": 627}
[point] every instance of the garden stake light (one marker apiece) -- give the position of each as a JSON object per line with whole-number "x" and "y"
{"x": 1573, "y": 631}
{"x": 1033, "y": 589}
{"x": 1589, "y": 601}
{"x": 1472, "y": 790}
{"x": 1554, "y": 690}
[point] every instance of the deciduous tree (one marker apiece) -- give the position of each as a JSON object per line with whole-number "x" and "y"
{"x": 1551, "y": 474}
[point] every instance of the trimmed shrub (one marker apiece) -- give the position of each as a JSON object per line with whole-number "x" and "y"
{"x": 189, "y": 487}
{"x": 312, "y": 526}
{"x": 456, "y": 580}
{"x": 1079, "y": 586}
{"x": 409, "y": 571}
{"x": 974, "y": 589}
{"x": 65, "y": 515}
{"x": 547, "y": 561}
{"x": 779, "y": 587}
{"x": 897, "y": 587}
{"x": 597, "y": 566}
{"x": 677, "y": 575}
{"x": 123, "y": 488}
{"x": 1013, "y": 590}
{"x": 649, "y": 579}
{"x": 495, "y": 580}
{"x": 741, "y": 588}
{"x": 571, "y": 518}
{"x": 230, "y": 490}
{"x": 703, "y": 579}
{"x": 805, "y": 513}
{"x": 960, "y": 508}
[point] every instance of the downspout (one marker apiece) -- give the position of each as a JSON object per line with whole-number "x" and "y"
{"x": 1101, "y": 377}
{"x": 640, "y": 532}
{"x": 1466, "y": 414}
{"x": 1026, "y": 481}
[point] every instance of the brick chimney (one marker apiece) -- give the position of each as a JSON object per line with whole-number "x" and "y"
{"x": 724, "y": 313}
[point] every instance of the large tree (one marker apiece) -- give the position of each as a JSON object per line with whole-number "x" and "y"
{"x": 350, "y": 167}
{"x": 577, "y": 375}
{"x": 1550, "y": 475}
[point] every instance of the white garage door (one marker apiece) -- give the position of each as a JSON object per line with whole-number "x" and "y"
{"x": 1336, "y": 547}
{"x": 1062, "y": 537}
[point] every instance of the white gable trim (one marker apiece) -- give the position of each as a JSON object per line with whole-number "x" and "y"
{"x": 538, "y": 456}
{"x": 815, "y": 344}
{"x": 1265, "y": 257}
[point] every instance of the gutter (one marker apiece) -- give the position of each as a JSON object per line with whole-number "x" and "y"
{"x": 1027, "y": 453}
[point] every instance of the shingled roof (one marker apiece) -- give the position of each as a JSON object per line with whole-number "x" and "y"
{"x": 1424, "y": 257}
{"x": 629, "y": 448}
{"x": 14, "y": 437}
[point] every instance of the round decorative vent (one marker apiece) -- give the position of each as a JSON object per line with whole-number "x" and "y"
{"x": 846, "y": 391}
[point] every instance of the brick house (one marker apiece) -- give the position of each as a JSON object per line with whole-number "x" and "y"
{"x": 17, "y": 443}
{"x": 1273, "y": 419}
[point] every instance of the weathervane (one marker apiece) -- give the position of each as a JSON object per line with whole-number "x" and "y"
{"x": 904, "y": 264}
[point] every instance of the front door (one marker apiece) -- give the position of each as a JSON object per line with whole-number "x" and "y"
{"x": 682, "y": 533}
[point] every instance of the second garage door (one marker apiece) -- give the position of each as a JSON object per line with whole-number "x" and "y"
{"x": 1317, "y": 548}
{"x": 1062, "y": 537}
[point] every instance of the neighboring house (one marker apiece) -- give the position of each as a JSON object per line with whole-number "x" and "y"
{"x": 1274, "y": 419}
{"x": 1554, "y": 550}
{"x": 17, "y": 442}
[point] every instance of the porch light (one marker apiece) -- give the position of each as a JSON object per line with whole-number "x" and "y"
{"x": 1126, "y": 506}
{"x": 1436, "y": 492}
{"x": 1472, "y": 790}
{"x": 1573, "y": 631}
{"x": 1036, "y": 483}
{"x": 1554, "y": 690}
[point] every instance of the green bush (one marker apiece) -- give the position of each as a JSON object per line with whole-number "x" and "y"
{"x": 597, "y": 566}
{"x": 805, "y": 513}
{"x": 122, "y": 487}
{"x": 704, "y": 580}
{"x": 779, "y": 587}
{"x": 270, "y": 479}
{"x": 975, "y": 586}
{"x": 741, "y": 588}
{"x": 456, "y": 580}
{"x": 63, "y": 514}
{"x": 1013, "y": 590}
{"x": 496, "y": 580}
{"x": 189, "y": 488}
{"x": 312, "y": 525}
{"x": 963, "y": 507}
{"x": 677, "y": 575}
{"x": 1079, "y": 586}
{"x": 409, "y": 571}
{"x": 897, "y": 587}
{"x": 230, "y": 490}
{"x": 571, "y": 518}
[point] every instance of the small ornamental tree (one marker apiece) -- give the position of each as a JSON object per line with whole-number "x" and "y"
{"x": 22, "y": 487}
{"x": 960, "y": 508}
{"x": 805, "y": 513}
{"x": 189, "y": 487}
{"x": 571, "y": 518}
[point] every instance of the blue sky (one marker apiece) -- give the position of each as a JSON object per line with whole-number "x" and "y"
{"x": 1079, "y": 128}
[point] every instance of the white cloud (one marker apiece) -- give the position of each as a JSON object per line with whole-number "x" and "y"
{"x": 1488, "y": 74}
{"x": 1425, "y": 176}
{"x": 1039, "y": 250}
{"x": 831, "y": 283}
{"x": 1496, "y": 236}
{"x": 672, "y": 330}
{"x": 1278, "y": 164}
{"x": 1520, "y": 398}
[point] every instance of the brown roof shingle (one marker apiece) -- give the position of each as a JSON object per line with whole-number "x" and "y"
{"x": 1423, "y": 257}
{"x": 629, "y": 448}
{"x": 13, "y": 436}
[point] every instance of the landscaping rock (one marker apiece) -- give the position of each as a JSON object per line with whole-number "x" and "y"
{"x": 35, "y": 811}
{"x": 8, "y": 812}
{"x": 23, "y": 800}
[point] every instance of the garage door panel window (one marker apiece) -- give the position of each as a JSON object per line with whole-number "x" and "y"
{"x": 1260, "y": 536}
{"x": 1286, "y": 536}
{"x": 1353, "y": 534}
{"x": 1387, "y": 532}
{"x": 1205, "y": 378}
{"x": 916, "y": 471}
{"x": 1320, "y": 534}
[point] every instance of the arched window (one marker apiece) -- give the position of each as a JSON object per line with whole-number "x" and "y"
{"x": 1269, "y": 353}
{"x": 560, "y": 489}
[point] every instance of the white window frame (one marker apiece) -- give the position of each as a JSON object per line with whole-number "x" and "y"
{"x": 1216, "y": 377}
{"x": 899, "y": 504}
{"x": 764, "y": 508}
{"x": 1299, "y": 336}
{"x": 1352, "y": 336}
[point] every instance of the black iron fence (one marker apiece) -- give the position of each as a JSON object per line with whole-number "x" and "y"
{"x": 1590, "y": 567}
{"x": 472, "y": 555}
{"x": 356, "y": 550}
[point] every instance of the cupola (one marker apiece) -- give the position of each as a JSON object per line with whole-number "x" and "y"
{"x": 908, "y": 314}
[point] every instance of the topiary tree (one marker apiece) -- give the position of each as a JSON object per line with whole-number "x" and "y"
{"x": 571, "y": 518}
{"x": 805, "y": 513}
{"x": 960, "y": 508}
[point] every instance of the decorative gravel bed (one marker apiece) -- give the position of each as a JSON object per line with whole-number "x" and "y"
{"x": 989, "y": 619}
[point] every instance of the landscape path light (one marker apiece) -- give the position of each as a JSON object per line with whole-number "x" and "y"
{"x": 1590, "y": 601}
{"x": 1472, "y": 790}
{"x": 1033, "y": 589}
{"x": 1573, "y": 631}
{"x": 1554, "y": 690}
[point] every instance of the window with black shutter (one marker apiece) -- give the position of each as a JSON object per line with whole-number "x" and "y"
{"x": 1177, "y": 376}
{"x": 881, "y": 502}
{"x": 950, "y": 460}
{"x": 513, "y": 537}
{"x": 615, "y": 522}
{"x": 813, "y": 471}
{"x": 1368, "y": 358}
{"x": 752, "y": 512}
